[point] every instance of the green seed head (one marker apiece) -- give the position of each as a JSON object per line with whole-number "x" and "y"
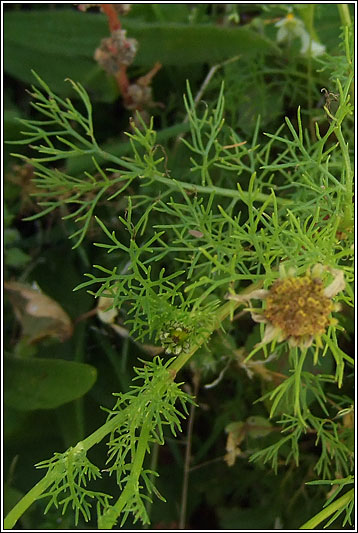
{"x": 175, "y": 338}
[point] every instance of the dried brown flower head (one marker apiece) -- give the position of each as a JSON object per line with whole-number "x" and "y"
{"x": 298, "y": 308}
{"x": 116, "y": 51}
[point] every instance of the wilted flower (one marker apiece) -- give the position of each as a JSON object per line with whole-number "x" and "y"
{"x": 291, "y": 27}
{"x": 298, "y": 308}
{"x": 122, "y": 9}
{"x": 84, "y": 7}
{"x": 138, "y": 96}
{"x": 116, "y": 51}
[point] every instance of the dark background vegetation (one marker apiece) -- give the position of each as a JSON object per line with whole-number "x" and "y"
{"x": 58, "y": 42}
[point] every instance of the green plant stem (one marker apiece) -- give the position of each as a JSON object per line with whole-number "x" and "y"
{"x": 191, "y": 187}
{"x": 343, "y": 11}
{"x": 110, "y": 517}
{"x": 329, "y": 510}
{"x": 298, "y": 371}
{"x": 153, "y": 467}
{"x": 309, "y": 19}
{"x": 81, "y": 163}
{"x": 184, "y": 498}
{"x": 222, "y": 313}
{"x": 221, "y": 191}
{"x": 348, "y": 211}
{"x": 29, "y": 498}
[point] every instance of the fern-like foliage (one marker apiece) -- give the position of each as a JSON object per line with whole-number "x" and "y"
{"x": 64, "y": 133}
{"x": 181, "y": 246}
{"x": 155, "y": 398}
{"x": 71, "y": 471}
{"x": 334, "y": 506}
{"x": 149, "y": 407}
{"x": 137, "y": 421}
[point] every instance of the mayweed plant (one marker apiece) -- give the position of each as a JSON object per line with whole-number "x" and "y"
{"x": 196, "y": 242}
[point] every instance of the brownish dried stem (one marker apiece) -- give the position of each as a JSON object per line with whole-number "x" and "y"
{"x": 113, "y": 20}
{"x": 184, "y": 499}
{"x": 122, "y": 80}
{"x": 84, "y": 316}
{"x": 146, "y": 80}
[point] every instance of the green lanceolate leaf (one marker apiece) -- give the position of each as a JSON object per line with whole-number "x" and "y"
{"x": 45, "y": 383}
{"x": 60, "y": 44}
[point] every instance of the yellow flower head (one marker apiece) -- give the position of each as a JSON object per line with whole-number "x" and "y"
{"x": 298, "y": 308}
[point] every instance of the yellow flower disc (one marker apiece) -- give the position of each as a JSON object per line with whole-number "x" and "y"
{"x": 298, "y": 306}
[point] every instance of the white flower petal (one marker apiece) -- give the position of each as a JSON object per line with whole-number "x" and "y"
{"x": 123, "y": 332}
{"x": 303, "y": 342}
{"x": 317, "y": 49}
{"x": 280, "y": 23}
{"x": 104, "y": 311}
{"x": 298, "y": 30}
{"x": 305, "y": 38}
{"x": 337, "y": 284}
{"x": 271, "y": 332}
{"x": 258, "y": 294}
{"x": 317, "y": 270}
{"x": 258, "y": 317}
{"x": 282, "y": 34}
{"x": 310, "y": 46}
{"x": 285, "y": 271}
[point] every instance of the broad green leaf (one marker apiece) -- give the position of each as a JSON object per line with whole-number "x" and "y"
{"x": 45, "y": 383}
{"x": 15, "y": 257}
{"x": 59, "y": 43}
{"x": 159, "y": 12}
{"x": 179, "y": 44}
{"x": 57, "y": 32}
{"x": 53, "y": 67}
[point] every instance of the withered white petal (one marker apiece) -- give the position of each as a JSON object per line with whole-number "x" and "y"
{"x": 258, "y": 317}
{"x": 258, "y": 294}
{"x": 337, "y": 284}
{"x": 271, "y": 333}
